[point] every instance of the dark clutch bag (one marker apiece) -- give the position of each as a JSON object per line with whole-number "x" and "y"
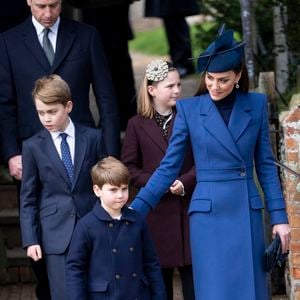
{"x": 273, "y": 255}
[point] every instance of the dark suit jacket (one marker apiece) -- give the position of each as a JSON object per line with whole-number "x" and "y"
{"x": 164, "y": 8}
{"x": 144, "y": 147}
{"x": 49, "y": 204}
{"x": 79, "y": 59}
{"x": 110, "y": 259}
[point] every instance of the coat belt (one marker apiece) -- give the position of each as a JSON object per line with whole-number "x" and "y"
{"x": 243, "y": 172}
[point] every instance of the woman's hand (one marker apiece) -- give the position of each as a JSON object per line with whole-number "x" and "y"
{"x": 284, "y": 231}
{"x": 177, "y": 188}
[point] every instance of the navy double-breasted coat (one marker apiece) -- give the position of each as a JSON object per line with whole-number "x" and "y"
{"x": 113, "y": 259}
{"x": 226, "y": 227}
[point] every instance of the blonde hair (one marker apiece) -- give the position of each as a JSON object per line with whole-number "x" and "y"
{"x": 110, "y": 170}
{"x": 145, "y": 100}
{"x": 52, "y": 89}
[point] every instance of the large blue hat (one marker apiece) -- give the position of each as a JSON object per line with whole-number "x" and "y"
{"x": 222, "y": 55}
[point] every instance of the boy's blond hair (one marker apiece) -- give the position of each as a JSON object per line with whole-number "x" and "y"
{"x": 110, "y": 170}
{"x": 52, "y": 89}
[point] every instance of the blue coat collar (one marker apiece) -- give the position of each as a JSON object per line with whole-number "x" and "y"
{"x": 239, "y": 120}
{"x": 127, "y": 213}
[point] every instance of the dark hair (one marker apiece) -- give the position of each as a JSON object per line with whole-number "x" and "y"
{"x": 243, "y": 82}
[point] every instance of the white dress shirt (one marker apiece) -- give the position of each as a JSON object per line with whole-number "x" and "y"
{"x": 52, "y": 33}
{"x": 70, "y": 131}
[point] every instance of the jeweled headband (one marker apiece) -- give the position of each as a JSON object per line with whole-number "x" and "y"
{"x": 157, "y": 70}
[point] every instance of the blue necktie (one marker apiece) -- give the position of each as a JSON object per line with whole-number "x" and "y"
{"x": 66, "y": 156}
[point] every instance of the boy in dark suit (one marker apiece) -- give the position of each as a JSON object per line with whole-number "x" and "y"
{"x": 56, "y": 185}
{"x": 111, "y": 254}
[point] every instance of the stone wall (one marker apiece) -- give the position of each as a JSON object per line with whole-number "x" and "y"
{"x": 290, "y": 150}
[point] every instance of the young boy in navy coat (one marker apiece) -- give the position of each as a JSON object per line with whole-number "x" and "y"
{"x": 111, "y": 255}
{"x": 56, "y": 185}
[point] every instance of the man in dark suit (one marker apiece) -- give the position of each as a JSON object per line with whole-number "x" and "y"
{"x": 78, "y": 58}
{"x": 110, "y": 17}
{"x": 56, "y": 184}
{"x": 173, "y": 13}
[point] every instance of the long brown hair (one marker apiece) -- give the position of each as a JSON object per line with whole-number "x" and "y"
{"x": 243, "y": 82}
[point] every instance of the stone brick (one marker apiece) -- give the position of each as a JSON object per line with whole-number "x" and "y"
{"x": 295, "y": 247}
{"x": 292, "y": 156}
{"x": 296, "y": 197}
{"x": 293, "y": 117}
{"x": 295, "y": 260}
{"x": 295, "y": 235}
{"x": 297, "y": 295}
{"x": 294, "y": 221}
{"x": 296, "y": 273}
{"x": 291, "y": 143}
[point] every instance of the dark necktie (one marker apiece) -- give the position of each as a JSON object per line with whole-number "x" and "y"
{"x": 47, "y": 46}
{"x": 66, "y": 156}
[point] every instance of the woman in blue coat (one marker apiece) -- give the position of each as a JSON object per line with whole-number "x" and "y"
{"x": 229, "y": 133}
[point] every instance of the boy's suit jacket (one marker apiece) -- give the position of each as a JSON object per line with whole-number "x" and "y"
{"x": 110, "y": 259}
{"x": 79, "y": 60}
{"x": 50, "y": 205}
{"x": 143, "y": 148}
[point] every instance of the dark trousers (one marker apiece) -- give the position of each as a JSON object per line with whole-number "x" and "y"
{"x": 56, "y": 268}
{"x": 186, "y": 275}
{"x": 178, "y": 35}
{"x": 113, "y": 26}
{"x": 42, "y": 290}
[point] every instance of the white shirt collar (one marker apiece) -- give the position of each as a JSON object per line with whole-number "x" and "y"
{"x": 39, "y": 27}
{"x": 70, "y": 131}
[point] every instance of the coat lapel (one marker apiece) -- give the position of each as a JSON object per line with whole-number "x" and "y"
{"x": 153, "y": 131}
{"x": 65, "y": 39}
{"x": 240, "y": 116}
{"x": 171, "y": 126}
{"x": 32, "y": 43}
{"x": 215, "y": 125}
{"x": 54, "y": 156}
{"x": 80, "y": 149}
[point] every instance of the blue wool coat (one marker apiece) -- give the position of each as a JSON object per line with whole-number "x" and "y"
{"x": 110, "y": 259}
{"x": 226, "y": 227}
